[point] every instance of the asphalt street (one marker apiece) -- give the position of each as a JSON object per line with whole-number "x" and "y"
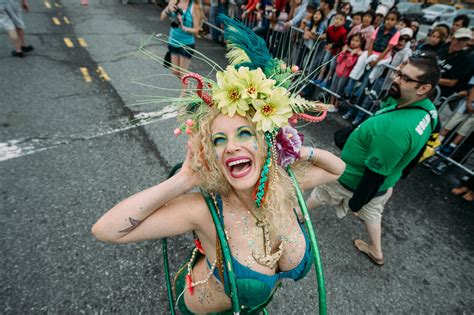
{"x": 68, "y": 152}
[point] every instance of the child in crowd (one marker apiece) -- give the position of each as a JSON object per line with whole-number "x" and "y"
{"x": 366, "y": 28}
{"x": 379, "y": 53}
{"x": 380, "y": 14}
{"x": 402, "y": 52}
{"x": 403, "y": 23}
{"x": 344, "y": 64}
{"x": 435, "y": 41}
{"x": 335, "y": 37}
{"x": 356, "y": 20}
{"x": 314, "y": 29}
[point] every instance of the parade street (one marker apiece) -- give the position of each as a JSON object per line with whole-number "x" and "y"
{"x": 72, "y": 145}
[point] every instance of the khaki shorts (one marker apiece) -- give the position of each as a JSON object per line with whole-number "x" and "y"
{"x": 336, "y": 195}
{"x": 10, "y": 16}
{"x": 467, "y": 123}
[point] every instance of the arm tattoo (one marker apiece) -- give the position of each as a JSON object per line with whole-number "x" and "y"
{"x": 134, "y": 224}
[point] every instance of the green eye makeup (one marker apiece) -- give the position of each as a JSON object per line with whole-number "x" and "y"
{"x": 244, "y": 133}
{"x": 219, "y": 139}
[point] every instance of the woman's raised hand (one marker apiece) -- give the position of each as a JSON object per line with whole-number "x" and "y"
{"x": 187, "y": 170}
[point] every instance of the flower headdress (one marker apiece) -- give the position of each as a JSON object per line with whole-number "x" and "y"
{"x": 258, "y": 86}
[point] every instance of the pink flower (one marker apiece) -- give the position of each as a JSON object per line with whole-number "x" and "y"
{"x": 295, "y": 69}
{"x": 190, "y": 122}
{"x": 177, "y": 132}
{"x": 189, "y": 131}
{"x": 288, "y": 144}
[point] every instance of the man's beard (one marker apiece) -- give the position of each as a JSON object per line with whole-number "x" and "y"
{"x": 394, "y": 91}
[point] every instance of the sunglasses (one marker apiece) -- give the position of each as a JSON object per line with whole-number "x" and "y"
{"x": 405, "y": 78}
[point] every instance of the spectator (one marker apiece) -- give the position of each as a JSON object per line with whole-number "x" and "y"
{"x": 401, "y": 54}
{"x": 415, "y": 26}
{"x": 264, "y": 11}
{"x": 356, "y": 19}
{"x": 466, "y": 189}
{"x": 12, "y": 22}
{"x": 403, "y": 22}
{"x": 246, "y": 8}
{"x": 346, "y": 8}
{"x": 314, "y": 29}
{"x": 378, "y": 151}
{"x": 380, "y": 14}
{"x": 299, "y": 11}
{"x": 435, "y": 41}
{"x": 366, "y": 28}
{"x": 382, "y": 43}
{"x": 465, "y": 115}
{"x": 310, "y": 9}
{"x": 328, "y": 8}
{"x": 188, "y": 14}
{"x": 460, "y": 21}
{"x": 344, "y": 64}
{"x": 456, "y": 63}
{"x": 335, "y": 38}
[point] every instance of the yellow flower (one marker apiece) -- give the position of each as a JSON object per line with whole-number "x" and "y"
{"x": 272, "y": 112}
{"x": 255, "y": 83}
{"x": 227, "y": 94}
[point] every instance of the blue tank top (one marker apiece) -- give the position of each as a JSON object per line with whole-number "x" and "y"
{"x": 178, "y": 37}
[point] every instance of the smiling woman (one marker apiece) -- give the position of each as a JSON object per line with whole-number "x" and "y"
{"x": 241, "y": 143}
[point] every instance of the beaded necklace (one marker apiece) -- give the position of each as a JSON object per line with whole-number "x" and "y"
{"x": 268, "y": 258}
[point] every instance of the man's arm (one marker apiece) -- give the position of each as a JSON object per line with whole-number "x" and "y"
{"x": 448, "y": 82}
{"x": 368, "y": 187}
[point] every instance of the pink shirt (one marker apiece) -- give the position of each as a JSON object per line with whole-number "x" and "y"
{"x": 366, "y": 33}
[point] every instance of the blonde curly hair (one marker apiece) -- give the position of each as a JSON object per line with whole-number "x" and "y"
{"x": 280, "y": 197}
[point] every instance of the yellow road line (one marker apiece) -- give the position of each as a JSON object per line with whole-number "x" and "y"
{"x": 102, "y": 74}
{"x": 47, "y": 5}
{"x": 85, "y": 74}
{"x": 66, "y": 20}
{"x": 82, "y": 41}
{"x": 68, "y": 42}
{"x": 56, "y": 21}
{"x": 57, "y": 5}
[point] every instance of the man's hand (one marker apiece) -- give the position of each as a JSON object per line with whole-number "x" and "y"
{"x": 25, "y": 6}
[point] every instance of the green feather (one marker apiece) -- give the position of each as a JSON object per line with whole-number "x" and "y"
{"x": 240, "y": 36}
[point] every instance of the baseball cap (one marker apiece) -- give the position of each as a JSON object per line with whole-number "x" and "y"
{"x": 382, "y": 10}
{"x": 406, "y": 32}
{"x": 463, "y": 33}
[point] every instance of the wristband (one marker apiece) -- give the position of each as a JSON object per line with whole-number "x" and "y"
{"x": 311, "y": 154}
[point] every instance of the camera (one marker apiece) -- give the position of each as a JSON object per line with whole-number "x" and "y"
{"x": 174, "y": 17}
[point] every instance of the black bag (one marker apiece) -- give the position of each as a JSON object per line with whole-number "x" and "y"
{"x": 341, "y": 136}
{"x": 167, "y": 61}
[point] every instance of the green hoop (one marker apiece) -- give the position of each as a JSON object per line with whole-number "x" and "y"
{"x": 227, "y": 255}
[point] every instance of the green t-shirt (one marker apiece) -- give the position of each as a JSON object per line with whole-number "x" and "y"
{"x": 386, "y": 143}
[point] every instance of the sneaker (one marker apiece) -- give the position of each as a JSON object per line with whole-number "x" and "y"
{"x": 26, "y": 49}
{"x": 347, "y": 116}
{"x": 440, "y": 169}
{"x": 316, "y": 82}
{"x": 333, "y": 110}
{"x": 18, "y": 54}
{"x": 447, "y": 150}
{"x": 431, "y": 161}
{"x": 357, "y": 121}
{"x": 322, "y": 84}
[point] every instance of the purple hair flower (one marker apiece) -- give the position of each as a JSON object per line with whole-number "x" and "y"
{"x": 288, "y": 144}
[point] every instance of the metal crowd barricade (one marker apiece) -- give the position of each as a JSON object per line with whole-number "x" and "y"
{"x": 459, "y": 160}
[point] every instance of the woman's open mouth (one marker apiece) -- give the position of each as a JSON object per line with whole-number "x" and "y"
{"x": 239, "y": 166}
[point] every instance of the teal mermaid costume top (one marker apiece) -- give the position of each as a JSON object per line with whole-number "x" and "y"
{"x": 255, "y": 288}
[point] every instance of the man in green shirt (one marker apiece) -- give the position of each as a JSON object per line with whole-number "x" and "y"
{"x": 378, "y": 151}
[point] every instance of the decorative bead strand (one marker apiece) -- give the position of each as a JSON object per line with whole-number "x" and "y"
{"x": 190, "y": 271}
{"x": 264, "y": 174}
